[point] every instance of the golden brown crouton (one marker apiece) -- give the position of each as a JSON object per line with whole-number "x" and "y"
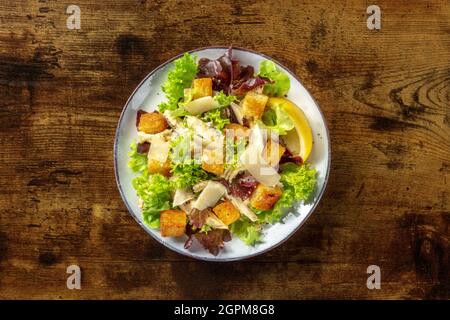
{"x": 217, "y": 169}
{"x": 253, "y": 105}
{"x": 172, "y": 223}
{"x": 153, "y": 122}
{"x": 212, "y": 161}
{"x": 155, "y": 166}
{"x": 227, "y": 212}
{"x": 273, "y": 152}
{"x": 239, "y": 131}
{"x": 264, "y": 198}
{"x": 202, "y": 88}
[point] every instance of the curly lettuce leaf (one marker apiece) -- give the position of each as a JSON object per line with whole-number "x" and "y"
{"x": 179, "y": 112}
{"x": 224, "y": 100}
{"x": 216, "y": 119}
{"x": 155, "y": 192}
{"x": 249, "y": 232}
{"x": 234, "y": 148}
{"x": 188, "y": 96}
{"x": 179, "y": 78}
{"x": 277, "y": 120}
{"x": 298, "y": 184}
{"x": 280, "y": 81}
{"x": 181, "y": 148}
{"x": 188, "y": 173}
{"x": 137, "y": 161}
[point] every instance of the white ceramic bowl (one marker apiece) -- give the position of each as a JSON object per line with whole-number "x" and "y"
{"x": 148, "y": 95}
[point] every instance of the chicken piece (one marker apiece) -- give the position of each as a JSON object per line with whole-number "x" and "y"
{"x": 202, "y": 88}
{"x": 253, "y": 105}
{"x": 264, "y": 197}
{"x": 227, "y": 212}
{"x": 153, "y": 122}
{"x": 273, "y": 152}
{"x": 172, "y": 223}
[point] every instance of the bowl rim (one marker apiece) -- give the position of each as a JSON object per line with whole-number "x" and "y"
{"x": 186, "y": 252}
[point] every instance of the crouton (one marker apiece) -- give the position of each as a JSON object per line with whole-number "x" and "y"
{"x": 202, "y": 88}
{"x": 264, "y": 197}
{"x": 155, "y": 166}
{"x": 212, "y": 161}
{"x": 227, "y": 212}
{"x": 216, "y": 169}
{"x": 273, "y": 152}
{"x": 172, "y": 223}
{"x": 153, "y": 122}
{"x": 253, "y": 105}
{"x": 239, "y": 131}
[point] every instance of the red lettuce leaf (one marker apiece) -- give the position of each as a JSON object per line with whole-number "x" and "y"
{"x": 229, "y": 114}
{"x": 190, "y": 233}
{"x": 289, "y": 157}
{"x": 249, "y": 84}
{"x": 228, "y": 75}
{"x": 143, "y": 147}
{"x": 220, "y": 70}
{"x": 213, "y": 240}
{"x": 246, "y": 81}
{"x": 243, "y": 186}
{"x": 198, "y": 217}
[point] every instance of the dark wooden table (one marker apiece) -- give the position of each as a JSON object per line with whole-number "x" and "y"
{"x": 385, "y": 95}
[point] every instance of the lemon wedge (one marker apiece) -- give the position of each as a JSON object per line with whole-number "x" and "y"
{"x": 298, "y": 140}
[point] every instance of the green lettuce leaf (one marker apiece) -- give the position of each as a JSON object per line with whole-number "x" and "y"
{"x": 155, "y": 192}
{"x": 179, "y": 78}
{"x": 224, "y": 100}
{"x": 179, "y": 112}
{"x": 277, "y": 120}
{"x": 247, "y": 231}
{"x": 233, "y": 152}
{"x": 188, "y": 173}
{"x": 188, "y": 96}
{"x": 298, "y": 184}
{"x": 281, "y": 82}
{"x": 181, "y": 148}
{"x": 215, "y": 118}
{"x": 137, "y": 161}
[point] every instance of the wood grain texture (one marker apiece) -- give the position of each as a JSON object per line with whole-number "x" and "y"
{"x": 385, "y": 95}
